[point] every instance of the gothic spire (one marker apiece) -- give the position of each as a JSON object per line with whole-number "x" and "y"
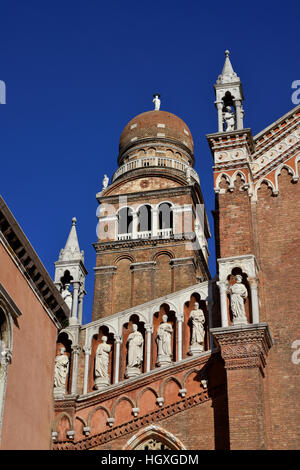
{"x": 228, "y": 75}
{"x": 71, "y": 250}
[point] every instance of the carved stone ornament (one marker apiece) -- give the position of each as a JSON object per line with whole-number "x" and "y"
{"x": 244, "y": 346}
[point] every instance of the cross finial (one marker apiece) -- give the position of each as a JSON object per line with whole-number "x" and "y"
{"x": 156, "y": 101}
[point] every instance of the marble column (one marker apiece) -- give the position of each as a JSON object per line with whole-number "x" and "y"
{"x": 75, "y": 354}
{"x": 149, "y": 331}
{"x": 239, "y": 114}
{"x": 154, "y": 222}
{"x": 223, "y": 302}
{"x": 220, "y": 116}
{"x": 73, "y": 319}
{"x": 254, "y": 299}
{"x": 87, "y": 351}
{"x": 180, "y": 319}
{"x": 80, "y": 306}
{"x": 135, "y": 220}
{"x": 118, "y": 341}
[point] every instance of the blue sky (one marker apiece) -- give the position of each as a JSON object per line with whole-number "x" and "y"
{"x": 77, "y": 71}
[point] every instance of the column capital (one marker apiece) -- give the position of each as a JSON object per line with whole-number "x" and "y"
{"x": 76, "y": 349}
{"x": 87, "y": 350}
{"x": 244, "y": 346}
{"x": 5, "y": 357}
{"x": 253, "y": 282}
{"x": 149, "y": 328}
{"x": 76, "y": 284}
{"x": 223, "y": 285}
{"x": 118, "y": 339}
{"x": 180, "y": 317}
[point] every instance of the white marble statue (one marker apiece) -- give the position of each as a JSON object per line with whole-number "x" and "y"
{"x": 67, "y": 295}
{"x": 61, "y": 371}
{"x": 135, "y": 352}
{"x": 164, "y": 343}
{"x": 198, "y": 319}
{"x": 101, "y": 364}
{"x": 238, "y": 293}
{"x": 156, "y": 102}
{"x": 229, "y": 119}
{"x": 105, "y": 182}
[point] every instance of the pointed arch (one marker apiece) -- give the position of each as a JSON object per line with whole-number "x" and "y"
{"x": 270, "y": 185}
{"x": 279, "y": 170}
{"x": 154, "y": 433}
{"x": 219, "y": 179}
{"x": 240, "y": 174}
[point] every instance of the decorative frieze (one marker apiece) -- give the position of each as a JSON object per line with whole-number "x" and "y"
{"x": 244, "y": 346}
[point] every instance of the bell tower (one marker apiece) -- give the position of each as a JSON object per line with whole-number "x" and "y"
{"x": 153, "y": 228}
{"x": 229, "y": 99}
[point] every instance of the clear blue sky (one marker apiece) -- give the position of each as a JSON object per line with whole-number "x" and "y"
{"x": 77, "y": 71}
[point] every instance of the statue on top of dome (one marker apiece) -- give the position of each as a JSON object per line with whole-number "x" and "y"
{"x": 156, "y": 101}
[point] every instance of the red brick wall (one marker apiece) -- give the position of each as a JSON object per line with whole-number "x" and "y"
{"x": 278, "y": 222}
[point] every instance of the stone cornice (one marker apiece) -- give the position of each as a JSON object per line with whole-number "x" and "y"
{"x": 289, "y": 116}
{"x": 244, "y": 346}
{"x": 28, "y": 262}
{"x": 139, "y": 242}
{"x": 165, "y": 192}
{"x": 220, "y": 140}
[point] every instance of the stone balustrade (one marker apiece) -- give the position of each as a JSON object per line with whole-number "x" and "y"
{"x": 155, "y": 162}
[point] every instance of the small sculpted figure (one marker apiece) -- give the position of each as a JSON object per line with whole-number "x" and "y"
{"x": 238, "y": 293}
{"x": 61, "y": 370}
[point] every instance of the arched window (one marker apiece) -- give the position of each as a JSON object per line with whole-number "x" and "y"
{"x": 165, "y": 219}
{"x": 144, "y": 219}
{"x": 125, "y": 223}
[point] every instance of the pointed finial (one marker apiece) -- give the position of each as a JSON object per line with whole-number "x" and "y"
{"x": 228, "y": 75}
{"x": 156, "y": 101}
{"x": 74, "y": 220}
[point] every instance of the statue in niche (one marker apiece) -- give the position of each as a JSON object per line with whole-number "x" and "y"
{"x": 197, "y": 318}
{"x": 101, "y": 364}
{"x": 67, "y": 295}
{"x": 238, "y": 293}
{"x": 164, "y": 345}
{"x": 135, "y": 352}
{"x": 229, "y": 119}
{"x": 105, "y": 182}
{"x": 61, "y": 371}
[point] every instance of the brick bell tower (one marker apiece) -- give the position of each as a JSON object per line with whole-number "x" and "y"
{"x": 153, "y": 228}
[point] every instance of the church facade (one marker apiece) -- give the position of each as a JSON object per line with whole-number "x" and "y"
{"x": 172, "y": 358}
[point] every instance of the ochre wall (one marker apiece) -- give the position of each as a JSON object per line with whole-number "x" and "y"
{"x": 28, "y": 408}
